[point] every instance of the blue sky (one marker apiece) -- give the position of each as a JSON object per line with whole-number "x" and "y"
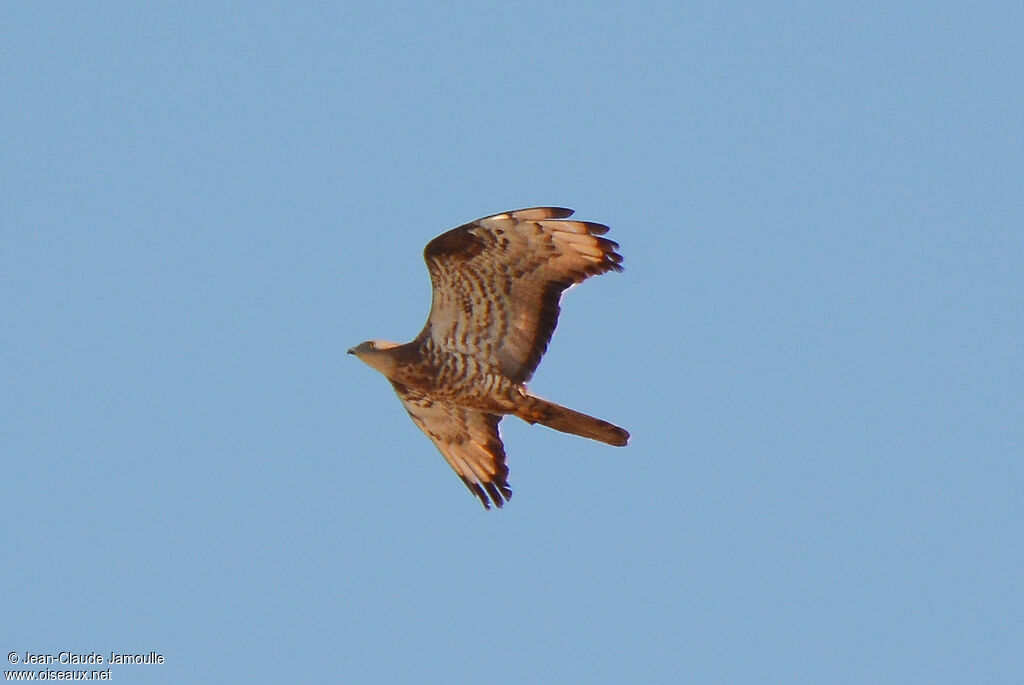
{"x": 816, "y": 343}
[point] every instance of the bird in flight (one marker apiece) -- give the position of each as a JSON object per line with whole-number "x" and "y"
{"x": 497, "y": 283}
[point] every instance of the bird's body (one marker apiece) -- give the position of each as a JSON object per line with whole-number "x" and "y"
{"x": 496, "y": 283}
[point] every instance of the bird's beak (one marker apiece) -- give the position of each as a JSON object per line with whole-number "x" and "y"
{"x": 351, "y": 350}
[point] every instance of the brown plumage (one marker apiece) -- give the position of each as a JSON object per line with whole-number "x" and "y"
{"x": 497, "y": 283}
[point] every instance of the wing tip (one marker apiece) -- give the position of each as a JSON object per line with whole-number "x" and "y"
{"x": 610, "y": 260}
{"x": 535, "y": 213}
{"x": 495, "y": 491}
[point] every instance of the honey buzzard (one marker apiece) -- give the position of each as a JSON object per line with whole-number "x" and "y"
{"x": 497, "y": 283}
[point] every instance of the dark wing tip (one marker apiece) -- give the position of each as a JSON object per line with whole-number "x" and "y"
{"x": 499, "y": 493}
{"x": 535, "y": 213}
{"x": 495, "y": 491}
{"x": 612, "y": 257}
{"x": 611, "y": 260}
{"x": 478, "y": 492}
{"x": 594, "y": 228}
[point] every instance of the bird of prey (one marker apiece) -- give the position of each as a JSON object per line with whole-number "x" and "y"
{"x": 497, "y": 283}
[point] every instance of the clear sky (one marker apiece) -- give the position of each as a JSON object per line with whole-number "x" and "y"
{"x": 816, "y": 343}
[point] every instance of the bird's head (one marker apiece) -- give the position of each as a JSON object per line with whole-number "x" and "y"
{"x": 376, "y": 354}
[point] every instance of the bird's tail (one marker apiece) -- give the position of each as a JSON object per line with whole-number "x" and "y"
{"x": 536, "y": 410}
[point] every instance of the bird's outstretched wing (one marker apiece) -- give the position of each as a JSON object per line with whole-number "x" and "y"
{"x": 497, "y": 282}
{"x": 467, "y": 439}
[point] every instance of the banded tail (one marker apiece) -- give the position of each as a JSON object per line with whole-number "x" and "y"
{"x": 536, "y": 410}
